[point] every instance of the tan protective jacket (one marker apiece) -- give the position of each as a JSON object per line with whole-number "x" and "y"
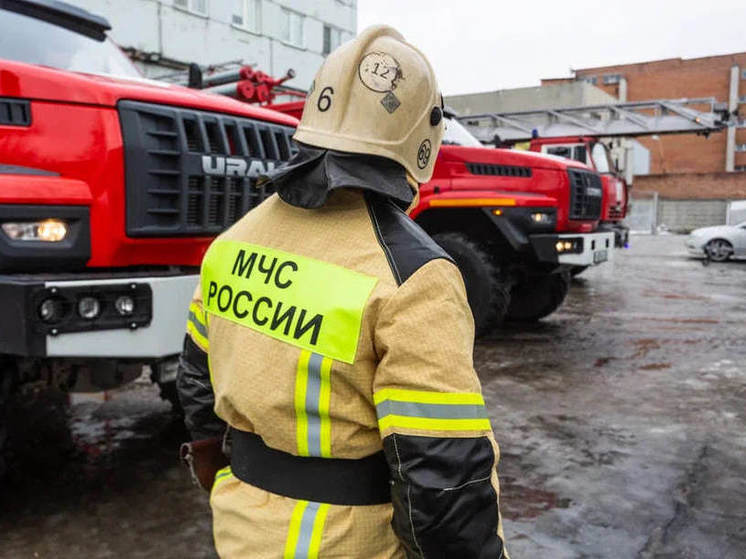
{"x": 336, "y": 332}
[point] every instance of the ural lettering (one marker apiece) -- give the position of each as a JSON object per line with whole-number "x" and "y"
{"x": 301, "y": 301}
{"x": 235, "y": 166}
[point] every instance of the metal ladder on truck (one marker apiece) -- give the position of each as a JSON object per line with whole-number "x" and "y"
{"x": 639, "y": 118}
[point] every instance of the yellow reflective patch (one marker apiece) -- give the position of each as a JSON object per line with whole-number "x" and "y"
{"x": 430, "y": 424}
{"x": 427, "y": 397}
{"x": 305, "y": 302}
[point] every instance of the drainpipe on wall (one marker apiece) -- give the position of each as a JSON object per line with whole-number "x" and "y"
{"x": 730, "y": 146}
{"x": 622, "y": 89}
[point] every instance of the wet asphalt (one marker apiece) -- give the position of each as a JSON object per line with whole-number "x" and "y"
{"x": 620, "y": 419}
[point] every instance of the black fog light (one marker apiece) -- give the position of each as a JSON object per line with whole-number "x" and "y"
{"x": 50, "y": 310}
{"x": 125, "y": 305}
{"x": 89, "y": 308}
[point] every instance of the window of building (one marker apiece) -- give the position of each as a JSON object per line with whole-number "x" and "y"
{"x": 332, "y": 39}
{"x": 743, "y": 74}
{"x": 742, "y": 99}
{"x": 247, "y": 14}
{"x": 740, "y": 168}
{"x": 740, "y": 147}
{"x": 198, "y": 7}
{"x": 291, "y": 28}
{"x": 589, "y": 79}
{"x": 611, "y": 79}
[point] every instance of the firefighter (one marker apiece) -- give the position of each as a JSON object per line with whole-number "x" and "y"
{"x": 331, "y": 338}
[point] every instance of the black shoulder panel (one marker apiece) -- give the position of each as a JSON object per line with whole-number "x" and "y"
{"x": 406, "y": 245}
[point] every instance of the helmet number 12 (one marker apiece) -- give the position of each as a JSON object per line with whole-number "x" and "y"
{"x": 325, "y": 100}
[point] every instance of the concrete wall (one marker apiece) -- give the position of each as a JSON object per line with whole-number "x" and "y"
{"x": 647, "y": 214}
{"x": 574, "y": 94}
{"x": 682, "y": 216}
{"x": 157, "y": 26}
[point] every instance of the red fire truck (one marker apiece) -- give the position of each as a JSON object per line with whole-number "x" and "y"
{"x": 596, "y": 154}
{"x": 111, "y": 189}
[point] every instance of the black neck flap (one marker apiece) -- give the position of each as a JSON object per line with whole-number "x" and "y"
{"x": 313, "y": 173}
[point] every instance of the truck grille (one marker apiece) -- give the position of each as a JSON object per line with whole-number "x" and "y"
{"x": 586, "y": 194}
{"x": 498, "y": 170}
{"x": 193, "y": 173}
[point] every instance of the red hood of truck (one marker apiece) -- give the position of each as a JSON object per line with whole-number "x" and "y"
{"x": 515, "y": 157}
{"x": 49, "y": 84}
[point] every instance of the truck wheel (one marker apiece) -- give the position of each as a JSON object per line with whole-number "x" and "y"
{"x": 537, "y": 297}
{"x": 487, "y": 294}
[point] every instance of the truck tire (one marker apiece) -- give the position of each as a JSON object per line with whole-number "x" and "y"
{"x": 577, "y": 270}
{"x": 487, "y": 294}
{"x": 537, "y": 297}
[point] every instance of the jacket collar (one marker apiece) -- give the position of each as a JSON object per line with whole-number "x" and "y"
{"x": 313, "y": 173}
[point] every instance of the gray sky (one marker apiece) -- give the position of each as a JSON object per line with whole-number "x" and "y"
{"x": 481, "y": 45}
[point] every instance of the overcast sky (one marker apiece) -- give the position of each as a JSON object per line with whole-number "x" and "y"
{"x": 482, "y": 45}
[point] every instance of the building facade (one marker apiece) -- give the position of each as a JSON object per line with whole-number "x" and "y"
{"x": 686, "y": 168}
{"x": 163, "y": 36}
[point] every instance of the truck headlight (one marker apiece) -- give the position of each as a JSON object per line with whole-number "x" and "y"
{"x": 569, "y": 245}
{"x": 542, "y": 218}
{"x": 48, "y": 230}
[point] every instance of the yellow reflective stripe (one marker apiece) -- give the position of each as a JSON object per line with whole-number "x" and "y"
{"x": 430, "y": 424}
{"x": 199, "y": 313}
{"x": 325, "y": 396}
{"x": 427, "y": 397}
{"x": 221, "y": 476}
{"x": 301, "y": 417}
{"x": 294, "y": 530}
{"x": 318, "y": 530}
{"x": 308, "y": 303}
{"x": 201, "y": 341}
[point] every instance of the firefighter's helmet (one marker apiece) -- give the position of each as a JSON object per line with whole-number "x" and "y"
{"x": 376, "y": 94}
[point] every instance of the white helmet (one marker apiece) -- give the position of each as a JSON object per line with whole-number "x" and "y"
{"x": 376, "y": 94}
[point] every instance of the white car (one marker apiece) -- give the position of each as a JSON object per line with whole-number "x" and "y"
{"x": 721, "y": 242}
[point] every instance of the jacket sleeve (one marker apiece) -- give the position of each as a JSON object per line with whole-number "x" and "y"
{"x": 193, "y": 377}
{"x": 436, "y": 434}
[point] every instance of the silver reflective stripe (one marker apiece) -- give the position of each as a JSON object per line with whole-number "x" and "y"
{"x": 431, "y": 411}
{"x": 197, "y": 324}
{"x": 313, "y": 392}
{"x": 306, "y": 530}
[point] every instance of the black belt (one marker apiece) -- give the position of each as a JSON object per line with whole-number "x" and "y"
{"x": 337, "y": 481}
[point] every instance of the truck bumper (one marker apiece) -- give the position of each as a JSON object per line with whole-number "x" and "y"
{"x": 584, "y": 249}
{"x": 154, "y": 330}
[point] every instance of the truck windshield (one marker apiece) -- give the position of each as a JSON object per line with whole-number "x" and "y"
{"x": 601, "y": 158}
{"x": 456, "y": 135}
{"x": 25, "y": 39}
